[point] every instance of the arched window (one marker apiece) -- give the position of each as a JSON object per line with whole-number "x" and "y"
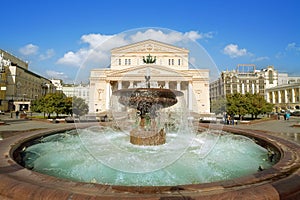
{"x": 271, "y": 77}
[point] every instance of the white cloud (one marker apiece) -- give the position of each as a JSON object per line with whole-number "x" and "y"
{"x": 73, "y": 59}
{"x": 49, "y": 54}
{"x": 170, "y": 37}
{"x": 56, "y": 75}
{"x": 292, "y": 46}
{"x": 29, "y": 49}
{"x": 262, "y": 58}
{"x": 233, "y": 51}
{"x": 97, "y": 51}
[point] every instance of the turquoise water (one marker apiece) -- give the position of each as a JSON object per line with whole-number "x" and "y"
{"x": 103, "y": 155}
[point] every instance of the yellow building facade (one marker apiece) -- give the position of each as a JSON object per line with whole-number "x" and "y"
{"x": 19, "y": 86}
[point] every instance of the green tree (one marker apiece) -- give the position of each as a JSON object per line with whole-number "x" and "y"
{"x": 237, "y": 104}
{"x": 69, "y": 105}
{"x": 258, "y": 105}
{"x": 58, "y": 103}
{"x": 79, "y": 106}
{"x": 38, "y": 105}
{"x": 219, "y": 105}
{"x": 242, "y": 104}
{"x": 55, "y": 103}
{"x": 51, "y": 103}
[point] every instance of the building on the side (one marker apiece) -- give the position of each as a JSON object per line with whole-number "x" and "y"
{"x": 73, "y": 90}
{"x": 293, "y": 79}
{"x": 19, "y": 86}
{"x": 77, "y": 90}
{"x": 245, "y": 79}
{"x": 58, "y": 84}
{"x": 284, "y": 78}
{"x": 169, "y": 68}
{"x": 285, "y": 96}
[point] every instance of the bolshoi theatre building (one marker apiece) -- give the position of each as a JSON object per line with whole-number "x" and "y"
{"x": 165, "y": 64}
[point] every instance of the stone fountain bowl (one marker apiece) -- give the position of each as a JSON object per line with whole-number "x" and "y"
{"x": 156, "y": 96}
{"x": 281, "y": 181}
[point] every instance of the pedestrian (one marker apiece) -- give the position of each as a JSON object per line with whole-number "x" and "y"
{"x": 17, "y": 114}
{"x": 232, "y": 119}
{"x": 288, "y": 116}
{"x": 228, "y": 119}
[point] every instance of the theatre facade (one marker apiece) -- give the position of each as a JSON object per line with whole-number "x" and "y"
{"x": 165, "y": 64}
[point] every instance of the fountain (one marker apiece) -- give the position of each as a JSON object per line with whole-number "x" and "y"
{"x": 155, "y": 156}
{"x": 147, "y": 101}
{"x": 178, "y": 154}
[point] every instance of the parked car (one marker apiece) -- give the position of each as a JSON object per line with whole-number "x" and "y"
{"x": 2, "y": 112}
{"x": 209, "y": 118}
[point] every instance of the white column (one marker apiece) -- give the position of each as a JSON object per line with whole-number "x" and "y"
{"x": 108, "y": 94}
{"x": 273, "y": 97}
{"x": 190, "y": 97}
{"x": 119, "y": 85}
{"x": 178, "y": 85}
{"x": 268, "y": 97}
{"x": 286, "y": 96}
{"x": 243, "y": 88}
{"x": 279, "y": 96}
{"x": 131, "y": 84}
{"x": 253, "y": 88}
{"x": 293, "y": 95}
{"x": 167, "y": 84}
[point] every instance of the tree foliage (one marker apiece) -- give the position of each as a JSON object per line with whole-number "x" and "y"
{"x": 218, "y": 106}
{"x": 58, "y": 103}
{"x": 242, "y": 104}
{"x": 79, "y": 106}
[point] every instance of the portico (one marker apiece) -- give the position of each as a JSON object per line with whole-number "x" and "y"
{"x": 285, "y": 96}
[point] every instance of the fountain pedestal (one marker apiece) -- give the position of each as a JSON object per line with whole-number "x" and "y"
{"x": 148, "y": 138}
{"x": 147, "y": 101}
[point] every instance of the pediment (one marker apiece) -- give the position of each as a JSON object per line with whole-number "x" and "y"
{"x": 148, "y": 46}
{"x": 152, "y": 70}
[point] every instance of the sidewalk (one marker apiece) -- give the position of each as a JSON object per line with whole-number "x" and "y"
{"x": 281, "y": 128}
{"x": 14, "y": 126}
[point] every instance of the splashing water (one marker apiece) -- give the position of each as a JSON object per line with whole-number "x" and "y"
{"x": 103, "y": 155}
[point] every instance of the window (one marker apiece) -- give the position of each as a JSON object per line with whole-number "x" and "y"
{"x": 125, "y": 61}
{"x": 271, "y": 77}
{"x": 120, "y": 62}
{"x": 178, "y": 61}
{"x": 129, "y": 61}
{"x": 171, "y": 61}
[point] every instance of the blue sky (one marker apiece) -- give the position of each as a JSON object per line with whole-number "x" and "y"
{"x": 55, "y": 35}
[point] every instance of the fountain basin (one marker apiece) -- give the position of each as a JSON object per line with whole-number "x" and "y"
{"x": 281, "y": 181}
{"x": 157, "y": 96}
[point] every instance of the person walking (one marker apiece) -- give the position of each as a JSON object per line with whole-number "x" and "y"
{"x": 17, "y": 114}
